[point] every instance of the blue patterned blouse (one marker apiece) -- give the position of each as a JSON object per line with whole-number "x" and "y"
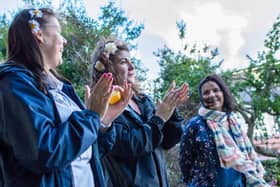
{"x": 199, "y": 161}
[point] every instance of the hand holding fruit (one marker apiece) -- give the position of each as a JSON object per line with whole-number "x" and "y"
{"x": 120, "y": 97}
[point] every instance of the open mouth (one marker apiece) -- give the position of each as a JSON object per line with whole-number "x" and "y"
{"x": 211, "y": 103}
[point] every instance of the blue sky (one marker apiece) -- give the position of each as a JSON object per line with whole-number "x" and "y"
{"x": 236, "y": 27}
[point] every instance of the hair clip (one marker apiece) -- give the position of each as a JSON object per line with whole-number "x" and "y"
{"x": 33, "y": 24}
{"x": 36, "y": 13}
{"x": 110, "y": 48}
{"x": 99, "y": 66}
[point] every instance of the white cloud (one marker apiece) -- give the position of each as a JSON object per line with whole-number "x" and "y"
{"x": 213, "y": 24}
{"x": 236, "y": 27}
{"x": 207, "y": 22}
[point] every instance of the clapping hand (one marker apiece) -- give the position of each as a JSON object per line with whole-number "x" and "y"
{"x": 97, "y": 98}
{"x": 182, "y": 93}
{"x": 171, "y": 99}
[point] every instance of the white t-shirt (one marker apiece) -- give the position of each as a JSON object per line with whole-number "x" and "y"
{"x": 81, "y": 169}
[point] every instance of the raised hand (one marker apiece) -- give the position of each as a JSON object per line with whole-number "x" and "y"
{"x": 182, "y": 93}
{"x": 97, "y": 98}
{"x": 171, "y": 99}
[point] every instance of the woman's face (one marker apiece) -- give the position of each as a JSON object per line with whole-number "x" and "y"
{"x": 124, "y": 67}
{"x": 52, "y": 43}
{"x": 212, "y": 95}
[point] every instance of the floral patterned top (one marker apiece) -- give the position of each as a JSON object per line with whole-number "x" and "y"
{"x": 199, "y": 161}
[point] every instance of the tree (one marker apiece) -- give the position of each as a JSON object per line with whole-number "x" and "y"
{"x": 260, "y": 84}
{"x": 3, "y": 36}
{"x": 191, "y": 65}
{"x": 82, "y": 32}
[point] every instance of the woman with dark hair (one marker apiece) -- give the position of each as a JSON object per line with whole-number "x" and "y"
{"x": 214, "y": 149}
{"x": 143, "y": 130}
{"x": 48, "y": 137}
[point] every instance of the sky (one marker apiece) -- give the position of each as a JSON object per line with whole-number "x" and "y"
{"x": 236, "y": 28}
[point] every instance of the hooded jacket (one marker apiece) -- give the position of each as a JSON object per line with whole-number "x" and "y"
{"x": 36, "y": 148}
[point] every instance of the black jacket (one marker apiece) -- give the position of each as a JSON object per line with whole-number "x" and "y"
{"x": 137, "y": 157}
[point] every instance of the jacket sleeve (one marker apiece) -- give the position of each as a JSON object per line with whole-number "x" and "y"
{"x": 35, "y": 139}
{"x": 106, "y": 140}
{"x": 186, "y": 152}
{"x": 139, "y": 140}
{"x": 172, "y": 130}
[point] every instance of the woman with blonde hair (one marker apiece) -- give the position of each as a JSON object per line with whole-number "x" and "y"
{"x": 143, "y": 130}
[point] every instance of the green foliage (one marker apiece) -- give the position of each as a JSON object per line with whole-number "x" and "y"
{"x": 191, "y": 65}
{"x": 259, "y": 83}
{"x": 181, "y": 68}
{"x": 4, "y": 22}
{"x": 113, "y": 21}
{"x": 272, "y": 170}
{"x": 181, "y": 25}
{"x": 82, "y": 32}
{"x": 38, "y": 3}
{"x": 173, "y": 170}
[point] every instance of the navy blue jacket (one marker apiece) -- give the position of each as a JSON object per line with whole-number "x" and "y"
{"x": 36, "y": 148}
{"x": 137, "y": 155}
{"x": 199, "y": 161}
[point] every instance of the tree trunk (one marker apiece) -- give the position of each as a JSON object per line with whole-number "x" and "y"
{"x": 267, "y": 151}
{"x": 264, "y": 150}
{"x": 250, "y": 132}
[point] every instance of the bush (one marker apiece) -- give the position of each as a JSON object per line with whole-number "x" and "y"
{"x": 173, "y": 169}
{"x": 272, "y": 168}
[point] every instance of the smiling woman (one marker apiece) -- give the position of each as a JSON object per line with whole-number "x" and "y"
{"x": 143, "y": 130}
{"x": 212, "y": 96}
{"x": 53, "y": 138}
{"x": 215, "y": 149}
